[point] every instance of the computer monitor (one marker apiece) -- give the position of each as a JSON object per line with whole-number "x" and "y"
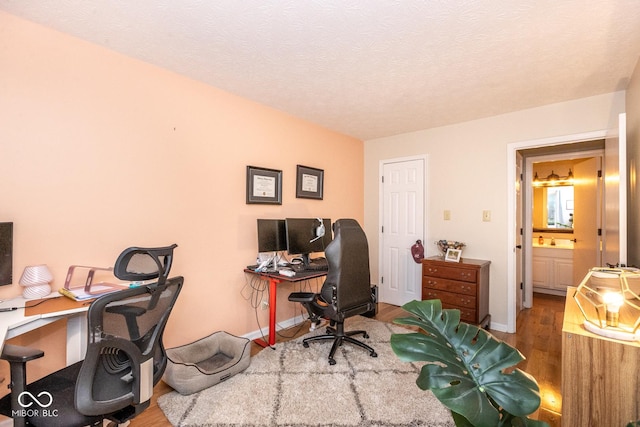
{"x": 6, "y": 253}
{"x": 304, "y": 236}
{"x": 272, "y": 235}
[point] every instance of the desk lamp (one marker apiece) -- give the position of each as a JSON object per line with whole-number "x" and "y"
{"x": 35, "y": 279}
{"x": 608, "y": 299}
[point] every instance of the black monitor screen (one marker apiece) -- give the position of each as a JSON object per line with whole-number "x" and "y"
{"x": 272, "y": 235}
{"x": 302, "y": 235}
{"x": 6, "y": 253}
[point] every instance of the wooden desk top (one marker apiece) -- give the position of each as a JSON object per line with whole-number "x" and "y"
{"x": 53, "y": 305}
{"x": 300, "y": 275}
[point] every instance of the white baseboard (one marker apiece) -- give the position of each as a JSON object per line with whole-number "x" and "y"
{"x": 283, "y": 324}
{"x": 500, "y": 327}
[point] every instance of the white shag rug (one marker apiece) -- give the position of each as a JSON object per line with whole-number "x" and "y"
{"x": 295, "y": 386}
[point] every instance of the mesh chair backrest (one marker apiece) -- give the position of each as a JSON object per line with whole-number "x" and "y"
{"x": 125, "y": 355}
{"x": 348, "y": 259}
{"x": 140, "y": 264}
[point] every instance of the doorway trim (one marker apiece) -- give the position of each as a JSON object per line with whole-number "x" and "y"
{"x": 513, "y": 209}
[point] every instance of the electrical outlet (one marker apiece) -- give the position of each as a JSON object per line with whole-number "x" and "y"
{"x": 264, "y": 305}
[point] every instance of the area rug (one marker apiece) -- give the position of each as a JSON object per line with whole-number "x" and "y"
{"x": 295, "y": 386}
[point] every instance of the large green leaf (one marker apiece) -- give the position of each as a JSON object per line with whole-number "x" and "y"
{"x": 467, "y": 369}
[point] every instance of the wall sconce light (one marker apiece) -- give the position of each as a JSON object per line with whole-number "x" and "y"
{"x": 35, "y": 279}
{"x": 608, "y": 299}
{"x": 553, "y": 179}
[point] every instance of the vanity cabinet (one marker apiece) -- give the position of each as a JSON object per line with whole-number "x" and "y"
{"x": 552, "y": 269}
{"x": 462, "y": 285}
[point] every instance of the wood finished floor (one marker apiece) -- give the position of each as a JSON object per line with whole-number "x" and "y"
{"x": 539, "y": 339}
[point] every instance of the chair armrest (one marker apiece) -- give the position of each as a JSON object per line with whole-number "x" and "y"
{"x": 302, "y": 297}
{"x": 16, "y": 353}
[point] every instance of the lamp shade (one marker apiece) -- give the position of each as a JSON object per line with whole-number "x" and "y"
{"x": 609, "y": 301}
{"x": 35, "y": 279}
{"x": 36, "y": 275}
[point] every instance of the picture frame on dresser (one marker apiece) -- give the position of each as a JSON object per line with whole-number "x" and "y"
{"x": 453, "y": 255}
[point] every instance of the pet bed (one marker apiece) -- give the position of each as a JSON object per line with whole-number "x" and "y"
{"x": 206, "y": 362}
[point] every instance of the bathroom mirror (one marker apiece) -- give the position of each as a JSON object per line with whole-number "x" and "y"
{"x": 553, "y": 209}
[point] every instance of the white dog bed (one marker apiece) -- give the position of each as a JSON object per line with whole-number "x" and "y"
{"x": 206, "y": 362}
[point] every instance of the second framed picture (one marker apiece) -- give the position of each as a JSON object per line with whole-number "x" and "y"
{"x": 309, "y": 183}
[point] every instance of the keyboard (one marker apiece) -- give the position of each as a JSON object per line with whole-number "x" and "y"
{"x": 317, "y": 265}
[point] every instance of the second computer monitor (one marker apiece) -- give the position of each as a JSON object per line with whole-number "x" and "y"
{"x": 272, "y": 235}
{"x": 303, "y": 236}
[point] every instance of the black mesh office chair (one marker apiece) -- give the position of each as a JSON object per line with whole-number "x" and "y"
{"x": 346, "y": 291}
{"x": 125, "y": 356}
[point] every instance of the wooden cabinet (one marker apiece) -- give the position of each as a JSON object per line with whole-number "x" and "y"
{"x": 463, "y": 285}
{"x": 600, "y": 376}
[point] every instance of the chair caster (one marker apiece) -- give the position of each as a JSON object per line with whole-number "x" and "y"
{"x": 332, "y": 362}
{"x": 373, "y": 354}
{"x": 305, "y": 344}
{"x": 365, "y": 335}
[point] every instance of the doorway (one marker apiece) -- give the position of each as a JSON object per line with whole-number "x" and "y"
{"x": 563, "y": 213}
{"x": 615, "y": 222}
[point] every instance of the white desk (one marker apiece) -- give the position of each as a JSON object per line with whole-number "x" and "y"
{"x": 56, "y": 307}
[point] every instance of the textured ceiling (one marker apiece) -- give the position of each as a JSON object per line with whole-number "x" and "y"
{"x": 371, "y": 68}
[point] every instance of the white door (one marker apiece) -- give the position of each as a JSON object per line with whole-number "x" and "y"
{"x": 587, "y": 218}
{"x": 402, "y": 224}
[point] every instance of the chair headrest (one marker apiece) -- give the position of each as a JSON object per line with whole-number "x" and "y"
{"x": 139, "y": 264}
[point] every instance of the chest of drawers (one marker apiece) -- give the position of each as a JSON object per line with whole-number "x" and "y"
{"x": 463, "y": 285}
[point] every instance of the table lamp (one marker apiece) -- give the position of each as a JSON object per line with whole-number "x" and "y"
{"x": 35, "y": 279}
{"x": 608, "y": 299}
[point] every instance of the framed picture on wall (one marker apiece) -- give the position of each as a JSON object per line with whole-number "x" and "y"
{"x": 453, "y": 255}
{"x": 309, "y": 183}
{"x": 264, "y": 186}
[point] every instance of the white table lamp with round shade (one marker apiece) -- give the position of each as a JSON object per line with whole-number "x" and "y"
{"x": 35, "y": 279}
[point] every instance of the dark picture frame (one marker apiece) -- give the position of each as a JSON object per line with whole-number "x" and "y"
{"x": 264, "y": 186}
{"x": 309, "y": 183}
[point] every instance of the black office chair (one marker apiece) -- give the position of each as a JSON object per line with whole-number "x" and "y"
{"x": 346, "y": 291}
{"x": 125, "y": 356}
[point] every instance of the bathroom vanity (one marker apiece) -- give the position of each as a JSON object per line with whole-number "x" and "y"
{"x": 552, "y": 266}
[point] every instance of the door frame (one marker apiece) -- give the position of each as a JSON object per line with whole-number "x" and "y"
{"x": 425, "y": 230}
{"x": 512, "y": 148}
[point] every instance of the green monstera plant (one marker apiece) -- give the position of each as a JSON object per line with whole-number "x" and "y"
{"x": 470, "y": 371}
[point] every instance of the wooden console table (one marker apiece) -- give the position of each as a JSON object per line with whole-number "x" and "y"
{"x": 600, "y": 376}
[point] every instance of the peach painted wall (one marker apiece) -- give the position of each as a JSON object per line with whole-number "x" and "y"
{"x": 100, "y": 152}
